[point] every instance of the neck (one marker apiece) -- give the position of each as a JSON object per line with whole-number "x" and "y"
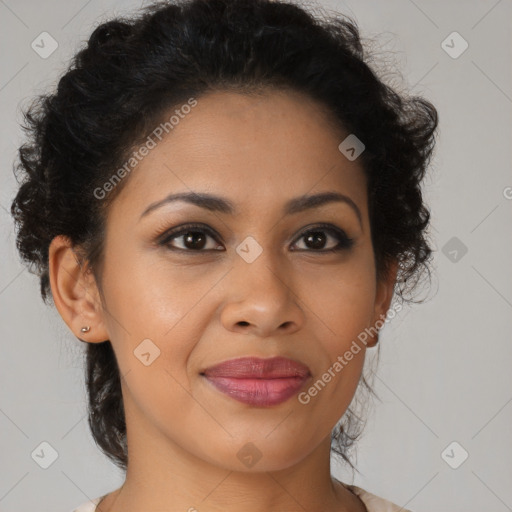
{"x": 162, "y": 475}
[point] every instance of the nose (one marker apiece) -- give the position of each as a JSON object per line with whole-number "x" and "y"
{"x": 262, "y": 300}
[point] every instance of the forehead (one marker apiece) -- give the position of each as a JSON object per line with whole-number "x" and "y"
{"x": 259, "y": 150}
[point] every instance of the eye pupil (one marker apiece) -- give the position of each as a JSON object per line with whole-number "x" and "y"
{"x": 317, "y": 238}
{"x": 189, "y": 239}
{"x": 194, "y": 239}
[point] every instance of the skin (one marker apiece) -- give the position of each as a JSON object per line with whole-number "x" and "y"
{"x": 203, "y": 308}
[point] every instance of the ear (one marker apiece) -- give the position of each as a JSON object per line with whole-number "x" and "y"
{"x": 383, "y": 297}
{"x": 75, "y": 292}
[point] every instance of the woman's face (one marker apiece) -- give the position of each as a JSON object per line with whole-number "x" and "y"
{"x": 248, "y": 283}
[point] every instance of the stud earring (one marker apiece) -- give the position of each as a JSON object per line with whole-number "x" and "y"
{"x": 85, "y": 329}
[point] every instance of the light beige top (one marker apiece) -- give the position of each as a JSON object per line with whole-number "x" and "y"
{"x": 372, "y": 503}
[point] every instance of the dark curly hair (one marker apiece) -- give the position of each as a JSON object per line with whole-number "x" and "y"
{"x": 134, "y": 69}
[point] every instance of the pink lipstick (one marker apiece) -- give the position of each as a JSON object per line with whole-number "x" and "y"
{"x": 258, "y": 382}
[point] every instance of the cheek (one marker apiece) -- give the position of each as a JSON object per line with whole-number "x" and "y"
{"x": 343, "y": 305}
{"x": 340, "y": 301}
{"x": 154, "y": 329}
{"x": 143, "y": 295}
{"x": 151, "y": 317}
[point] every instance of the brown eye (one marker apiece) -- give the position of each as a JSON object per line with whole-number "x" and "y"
{"x": 194, "y": 239}
{"x": 316, "y": 239}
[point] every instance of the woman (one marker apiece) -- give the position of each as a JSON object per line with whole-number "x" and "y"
{"x": 222, "y": 200}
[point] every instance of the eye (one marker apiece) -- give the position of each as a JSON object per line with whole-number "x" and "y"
{"x": 315, "y": 238}
{"x": 194, "y": 238}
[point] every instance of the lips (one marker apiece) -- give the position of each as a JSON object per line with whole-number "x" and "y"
{"x": 256, "y": 381}
{"x": 257, "y": 368}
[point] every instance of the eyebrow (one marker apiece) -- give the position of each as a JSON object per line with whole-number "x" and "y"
{"x": 219, "y": 204}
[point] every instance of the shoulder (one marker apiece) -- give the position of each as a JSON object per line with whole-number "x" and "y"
{"x": 88, "y": 506}
{"x": 374, "y": 503}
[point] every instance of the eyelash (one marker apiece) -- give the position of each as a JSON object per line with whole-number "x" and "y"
{"x": 345, "y": 243}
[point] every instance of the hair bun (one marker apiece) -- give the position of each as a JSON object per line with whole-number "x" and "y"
{"x": 110, "y": 31}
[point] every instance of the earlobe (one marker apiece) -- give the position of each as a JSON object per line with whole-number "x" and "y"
{"x": 75, "y": 293}
{"x": 384, "y": 295}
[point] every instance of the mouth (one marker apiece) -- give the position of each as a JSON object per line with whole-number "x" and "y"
{"x": 258, "y": 382}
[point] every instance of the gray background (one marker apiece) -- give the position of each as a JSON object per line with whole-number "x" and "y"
{"x": 444, "y": 373}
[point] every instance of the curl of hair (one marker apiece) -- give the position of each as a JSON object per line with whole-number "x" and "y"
{"x": 120, "y": 86}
